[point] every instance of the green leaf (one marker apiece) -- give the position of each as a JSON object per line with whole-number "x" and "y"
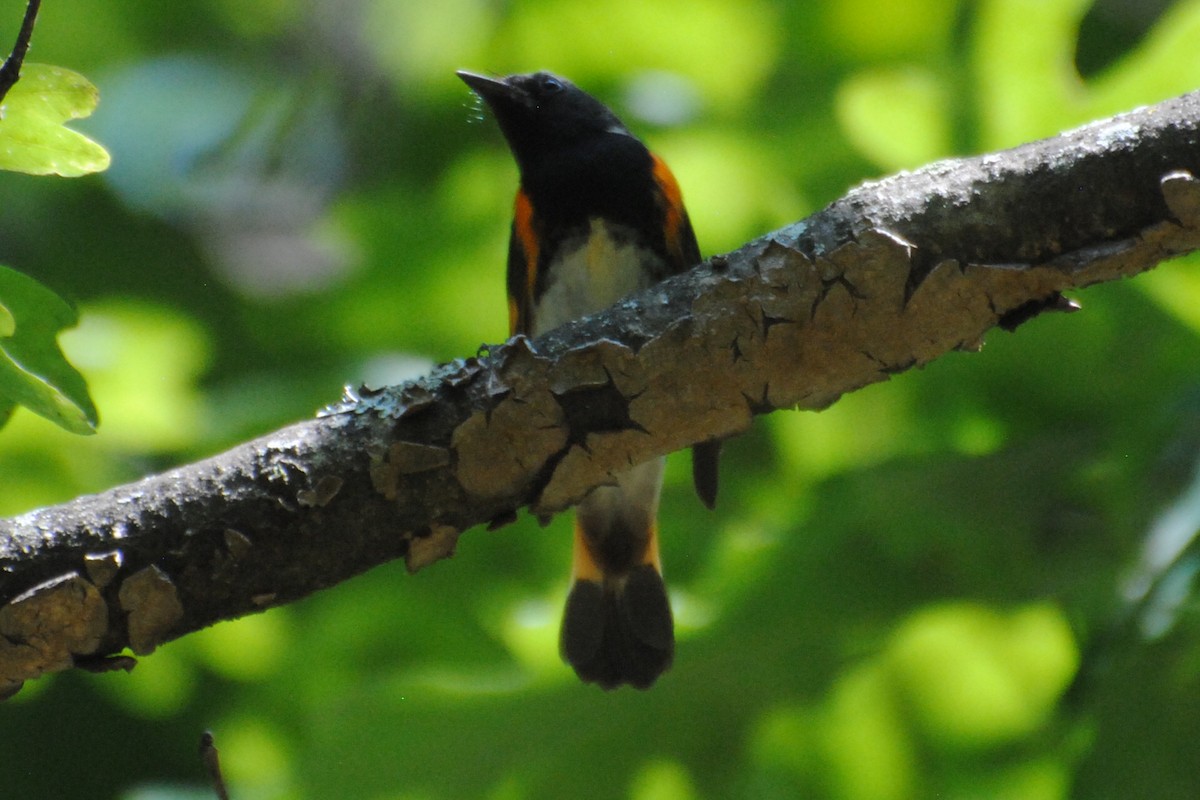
{"x": 32, "y": 136}
{"x": 33, "y": 371}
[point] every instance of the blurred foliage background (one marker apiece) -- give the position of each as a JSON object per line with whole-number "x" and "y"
{"x": 973, "y": 581}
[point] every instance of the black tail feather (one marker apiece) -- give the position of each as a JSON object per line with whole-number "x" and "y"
{"x": 705, "y": 462}
{"x": 621, "y": 631}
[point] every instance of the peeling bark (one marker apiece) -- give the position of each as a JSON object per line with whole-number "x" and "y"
{"x": 893, "y": 275}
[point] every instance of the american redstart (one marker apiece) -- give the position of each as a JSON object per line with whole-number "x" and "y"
{"x": 597, "y": 217}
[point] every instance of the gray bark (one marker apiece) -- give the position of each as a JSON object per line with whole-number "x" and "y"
{"x": 891, "y": 276}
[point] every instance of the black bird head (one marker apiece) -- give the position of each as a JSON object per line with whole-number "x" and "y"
{"x": 541, "y": 113}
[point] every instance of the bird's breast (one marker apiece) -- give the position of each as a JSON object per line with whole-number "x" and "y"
{"x": 591, "y": 272}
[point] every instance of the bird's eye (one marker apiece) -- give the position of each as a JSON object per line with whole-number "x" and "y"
{"x": 550, "y": 85}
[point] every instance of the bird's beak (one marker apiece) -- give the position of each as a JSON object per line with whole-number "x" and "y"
{"x": 492, "y": 90}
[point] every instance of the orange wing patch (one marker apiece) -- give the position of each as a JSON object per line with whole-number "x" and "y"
{"x": 520, "y": 305}
{"x": 514, "y": 316}
{"x": 674, "y": 214}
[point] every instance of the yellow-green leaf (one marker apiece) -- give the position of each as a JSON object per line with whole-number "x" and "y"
{"x": 33, "y": 138}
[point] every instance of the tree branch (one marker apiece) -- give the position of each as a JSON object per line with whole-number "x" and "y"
{"x": 891, "y": 276}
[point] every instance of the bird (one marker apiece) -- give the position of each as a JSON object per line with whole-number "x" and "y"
{"x": 597, "y": 216}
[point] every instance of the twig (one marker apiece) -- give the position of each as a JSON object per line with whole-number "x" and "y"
{"x": 212, "y": 762}
{"x": 10, "y": 73}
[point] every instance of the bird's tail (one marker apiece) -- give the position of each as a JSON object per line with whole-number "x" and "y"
{"x": 617, "y": 628}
